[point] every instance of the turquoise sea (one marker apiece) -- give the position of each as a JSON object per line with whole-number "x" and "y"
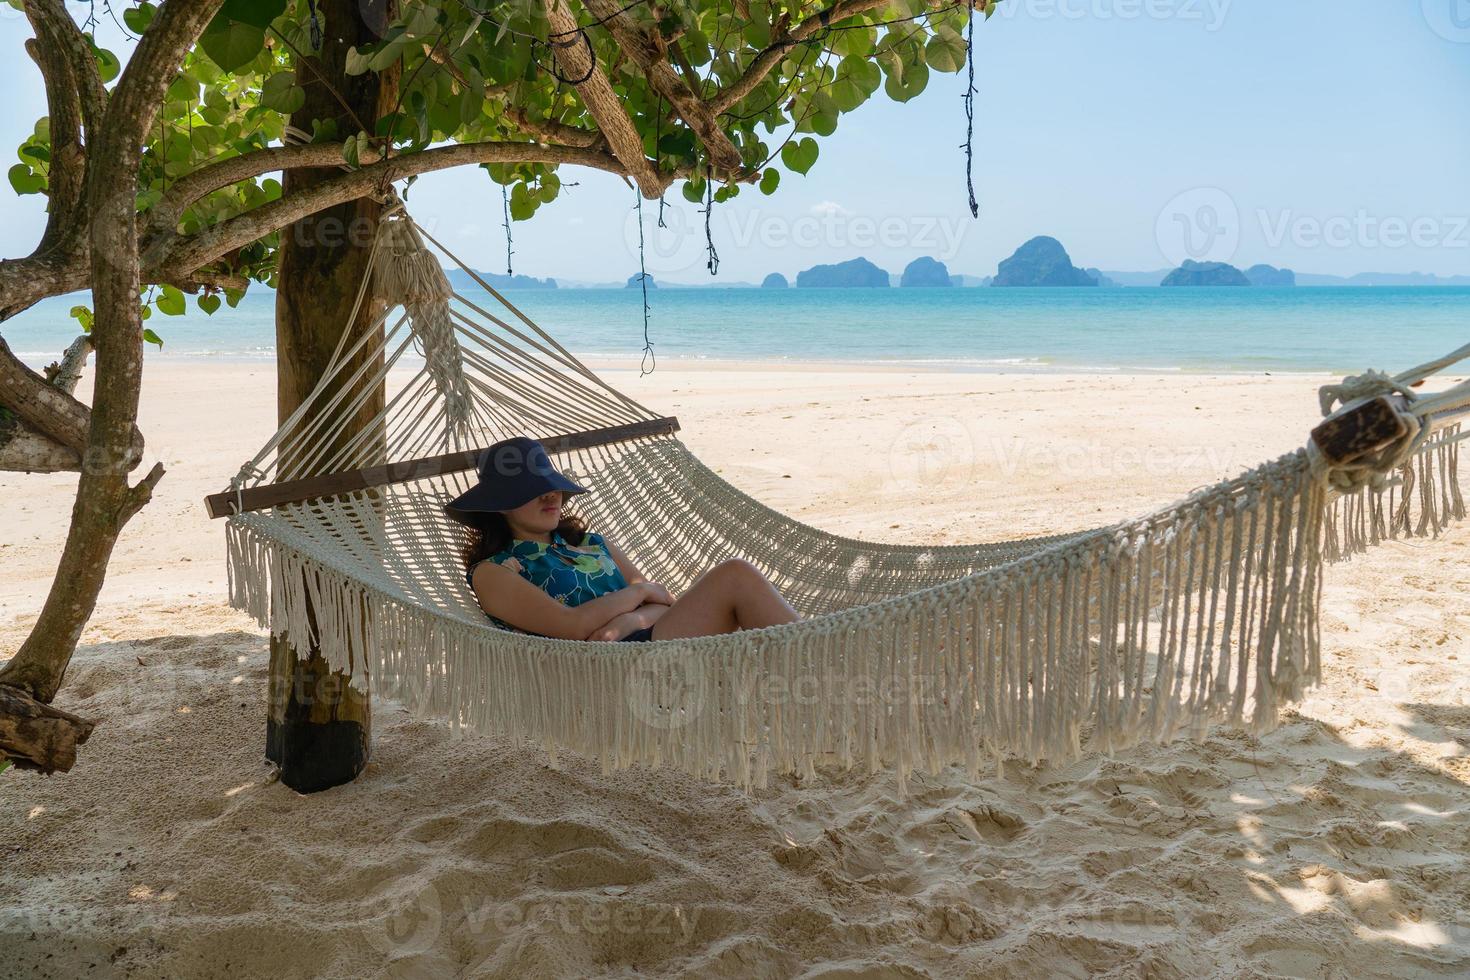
{"x": 1130, "y": 329}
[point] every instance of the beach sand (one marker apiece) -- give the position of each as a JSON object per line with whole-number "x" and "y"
{"x": 1332, "y": 847}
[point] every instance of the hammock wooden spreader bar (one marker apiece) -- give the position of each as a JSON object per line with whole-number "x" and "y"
{"x": 228, "y": 502}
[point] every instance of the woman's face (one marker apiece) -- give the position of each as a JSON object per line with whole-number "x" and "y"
{"x": 540, "y": 515}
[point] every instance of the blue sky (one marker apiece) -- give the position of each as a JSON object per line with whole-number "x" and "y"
{"x": 1324, "y": 136}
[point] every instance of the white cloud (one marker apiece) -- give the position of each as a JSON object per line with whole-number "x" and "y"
{"x": 830, "y": 209}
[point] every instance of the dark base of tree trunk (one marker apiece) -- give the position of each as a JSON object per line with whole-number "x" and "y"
{"x": 37, "y": 736}
{"x": 318, "y": 724}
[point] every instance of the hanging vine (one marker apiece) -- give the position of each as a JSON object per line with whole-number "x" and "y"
{"x": 712, "y": 260}
{"x": 649, "y": 362}
{"x": 505, "y": 208}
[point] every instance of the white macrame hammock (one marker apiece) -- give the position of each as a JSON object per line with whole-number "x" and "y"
{"x": 909, "y": 658}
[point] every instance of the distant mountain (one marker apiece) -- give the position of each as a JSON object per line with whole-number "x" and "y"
{"x": 634, "y": 281}
{"x": 1269, "y": 275}
{"x": 774, "y": 281}
{"x": 925, "y": 271}
{"x": 854, "y": 272}
{"x": 969, "y": 282}
{"x": 1101, "y": 277}
{"x": 1382, "y": 279}
{"x": 460, "y": 279}
{"x": 1193, "y": 273}
{"x": 1041, "y": 262}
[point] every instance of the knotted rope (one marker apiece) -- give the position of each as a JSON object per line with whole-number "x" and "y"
{"x": 1374, "y": 469}
{"x": 406, "y": 273}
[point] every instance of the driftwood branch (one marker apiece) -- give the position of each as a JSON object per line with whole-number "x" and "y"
{"x": 37, "y": 736}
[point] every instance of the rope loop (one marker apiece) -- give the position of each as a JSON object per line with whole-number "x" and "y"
{"x": 1372, "y": 470}
{"x": 1369, "y": 384}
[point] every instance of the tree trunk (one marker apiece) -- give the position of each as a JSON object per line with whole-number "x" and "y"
{"x": 105, "y": 502}
{"x": 318, "y": 722}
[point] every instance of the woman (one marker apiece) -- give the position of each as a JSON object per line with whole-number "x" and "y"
{"x": 537, "y": 569}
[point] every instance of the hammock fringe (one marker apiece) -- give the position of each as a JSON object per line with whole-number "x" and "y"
{"x": 1205, "y": 612}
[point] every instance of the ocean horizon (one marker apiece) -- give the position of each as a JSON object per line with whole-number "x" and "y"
{"x": 1142, "y": 329}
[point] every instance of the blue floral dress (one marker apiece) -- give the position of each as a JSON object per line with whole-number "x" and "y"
{"x": 571, "y": 574}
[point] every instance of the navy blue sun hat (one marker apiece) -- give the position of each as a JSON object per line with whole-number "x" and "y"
{"x": 512, "y": 472}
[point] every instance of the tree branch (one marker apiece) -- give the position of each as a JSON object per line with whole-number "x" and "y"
{"x": 180, "y": 256}
{"x": 648, "y": 55}
{"x": 729, "y": 96}
{"x": 49, "y": 410}
{"x": 596, "y": 92}
{"x": 67, "y": 169}
{"x": 54, "y": 26}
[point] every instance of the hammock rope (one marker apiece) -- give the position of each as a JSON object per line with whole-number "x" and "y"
{"x": 911, "y": 658}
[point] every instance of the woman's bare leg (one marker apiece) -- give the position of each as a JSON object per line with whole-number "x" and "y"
{"x": 732, "y": 595}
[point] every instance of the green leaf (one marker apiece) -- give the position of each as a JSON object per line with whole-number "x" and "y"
{"x": 694, "y": 192}
{"x": 170, "y": 301}
{"x": 209, "y": 302}
{"x": 233, "y": 297}
{"x": 83, "y": 316}
{"x": 108, "y": 66}
{"x": 915, "y": 77}
{"x": 24, "y": 181}
{"x": 183, "y": 89}
{"x": 231, "y": 44}
{"x": 357, "y": 62}
{"x": 770, "y": 180}
{"x": 522, "y": 204}
{"x": 138, "y": 18}
{"x": 152, "y": 338}
{"x": 256, "y": 13}
{"x": 355, "y": 147}
{"x": 281, "y": 93}
{"x": 945, "y": 50}
{"x": 824, "y": 117}
{"x": 389, "y": 53}
{"x": 799, "y": 155}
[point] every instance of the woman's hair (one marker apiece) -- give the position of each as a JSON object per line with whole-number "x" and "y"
{"x": 492, "y": 535}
